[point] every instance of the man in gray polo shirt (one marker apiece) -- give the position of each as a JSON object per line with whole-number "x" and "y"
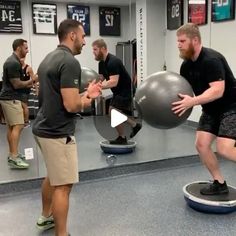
{"x": 10, "y": 100}
{"x": 54, "y": 127}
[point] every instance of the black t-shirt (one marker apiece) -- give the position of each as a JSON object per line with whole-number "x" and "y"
{"x": 211, "y": 66}
{"x": 11, "y": 70}
{"x": 25, "y": 77}
{"x": 114, "y": 66}
{"x": 58, "y": 70}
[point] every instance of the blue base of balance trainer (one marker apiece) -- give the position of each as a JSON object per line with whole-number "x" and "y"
{"x": 116, "y": 148}
{"x": 218, "y": 204}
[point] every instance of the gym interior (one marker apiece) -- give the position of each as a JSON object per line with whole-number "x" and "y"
{"x": 134, "y": 194}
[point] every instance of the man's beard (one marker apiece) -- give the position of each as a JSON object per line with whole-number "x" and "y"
{"x": 22, "y": 54}
{"x": 187, "y": 54}
{"x": 99, "y": 57}
{"x": 78, "y": 47}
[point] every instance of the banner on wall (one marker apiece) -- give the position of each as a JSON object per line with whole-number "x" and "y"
{"x": 80, "y": 13}
{"x": 44, "y": 18}
{"x": 222, "y": 10}
{"x": 10, "y": 15}
{"x": 174, "y": 14}
{"x": 197, "y": 11}
{"x": 109, "y": 21}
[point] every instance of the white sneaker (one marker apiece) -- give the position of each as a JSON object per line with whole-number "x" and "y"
{"x": 45, "y": 223}
{"x": 17, "y": 163}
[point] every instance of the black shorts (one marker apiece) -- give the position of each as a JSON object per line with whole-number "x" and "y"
{"x": 124, "y": 104}
{"x": 223, "y": 125}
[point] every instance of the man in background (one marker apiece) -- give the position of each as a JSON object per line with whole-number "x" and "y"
{"x": 10, "y": 99}
{"x": 116, "y": 78}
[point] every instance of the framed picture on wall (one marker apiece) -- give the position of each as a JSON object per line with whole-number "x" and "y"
{"x": 222, "y": 10}
{"x": 109, "y": 21}
{"x": 44, "y": 18}
{"x": 80, "y": 13}
{"x": 197, "y": 11}
{"x": 10, "y": 15}
{"x": 174, "y": 14}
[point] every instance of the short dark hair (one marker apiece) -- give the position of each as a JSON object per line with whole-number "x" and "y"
{"x": 100, "y": 43}
{"x": 17, "y": 43}
{"x": 67, "y": 26}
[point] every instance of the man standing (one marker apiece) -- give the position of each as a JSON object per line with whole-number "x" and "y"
{"x": 215, "y": 90}
{"x": 10, "y": 97}
{"x": 118, "y": 80}
{"x": 54, "y": 127}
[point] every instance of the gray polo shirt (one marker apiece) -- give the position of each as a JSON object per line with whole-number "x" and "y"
{"x": 58, "y": 70}
{"x": 11, "y": 70}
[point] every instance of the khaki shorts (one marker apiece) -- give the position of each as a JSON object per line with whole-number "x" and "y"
{"x": 61, "y": 160}
{"x": 13, "y": 112}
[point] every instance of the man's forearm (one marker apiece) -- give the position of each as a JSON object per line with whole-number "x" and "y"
{"x": 23, "y": 84}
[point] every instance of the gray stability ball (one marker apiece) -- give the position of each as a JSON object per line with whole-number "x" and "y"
{"x": 87, "y": 76}
{"x": 154, "y": 99}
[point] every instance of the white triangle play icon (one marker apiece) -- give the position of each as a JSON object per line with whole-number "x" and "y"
{"x": 117, "y": 118}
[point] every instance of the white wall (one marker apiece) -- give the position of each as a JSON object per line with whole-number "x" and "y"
{"x": 40, "y": 45}
{"x": 133, "y": 21}
{"x": 155, "y": 35}
{"x": 223, "y": 39}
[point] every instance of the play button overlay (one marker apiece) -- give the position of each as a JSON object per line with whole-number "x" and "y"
{"x": 106, "y": 124}
{"x": 117, "y": 118}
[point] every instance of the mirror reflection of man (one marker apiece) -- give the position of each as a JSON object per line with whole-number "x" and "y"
{"x": 10, "y": 100}
{"x": 116, "y": 78}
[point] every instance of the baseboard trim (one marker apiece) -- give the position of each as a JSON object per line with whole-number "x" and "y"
{"x": 111, "y": 171}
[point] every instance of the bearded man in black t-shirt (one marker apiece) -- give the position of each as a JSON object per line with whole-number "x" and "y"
{"x": 214, "y": 87}
{"x": 116, "y": 78}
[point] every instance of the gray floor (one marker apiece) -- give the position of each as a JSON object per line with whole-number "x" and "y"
{"x": 152, "y": 144}
{"x": 144, "y": 204}
{"x": 137, "y": 203}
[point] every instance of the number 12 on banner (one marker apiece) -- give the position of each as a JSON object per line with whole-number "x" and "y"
{"x": 109, "y": 21}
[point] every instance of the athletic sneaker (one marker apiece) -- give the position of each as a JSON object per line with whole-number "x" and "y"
{"x": 17, "y": 163}
{"x": 215, "y": 188}
{"x": 119, "y": 140}
{"x": 45, "y": 223}
{"x": 135, "y": 130}
{"x": 21, "y": 156}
